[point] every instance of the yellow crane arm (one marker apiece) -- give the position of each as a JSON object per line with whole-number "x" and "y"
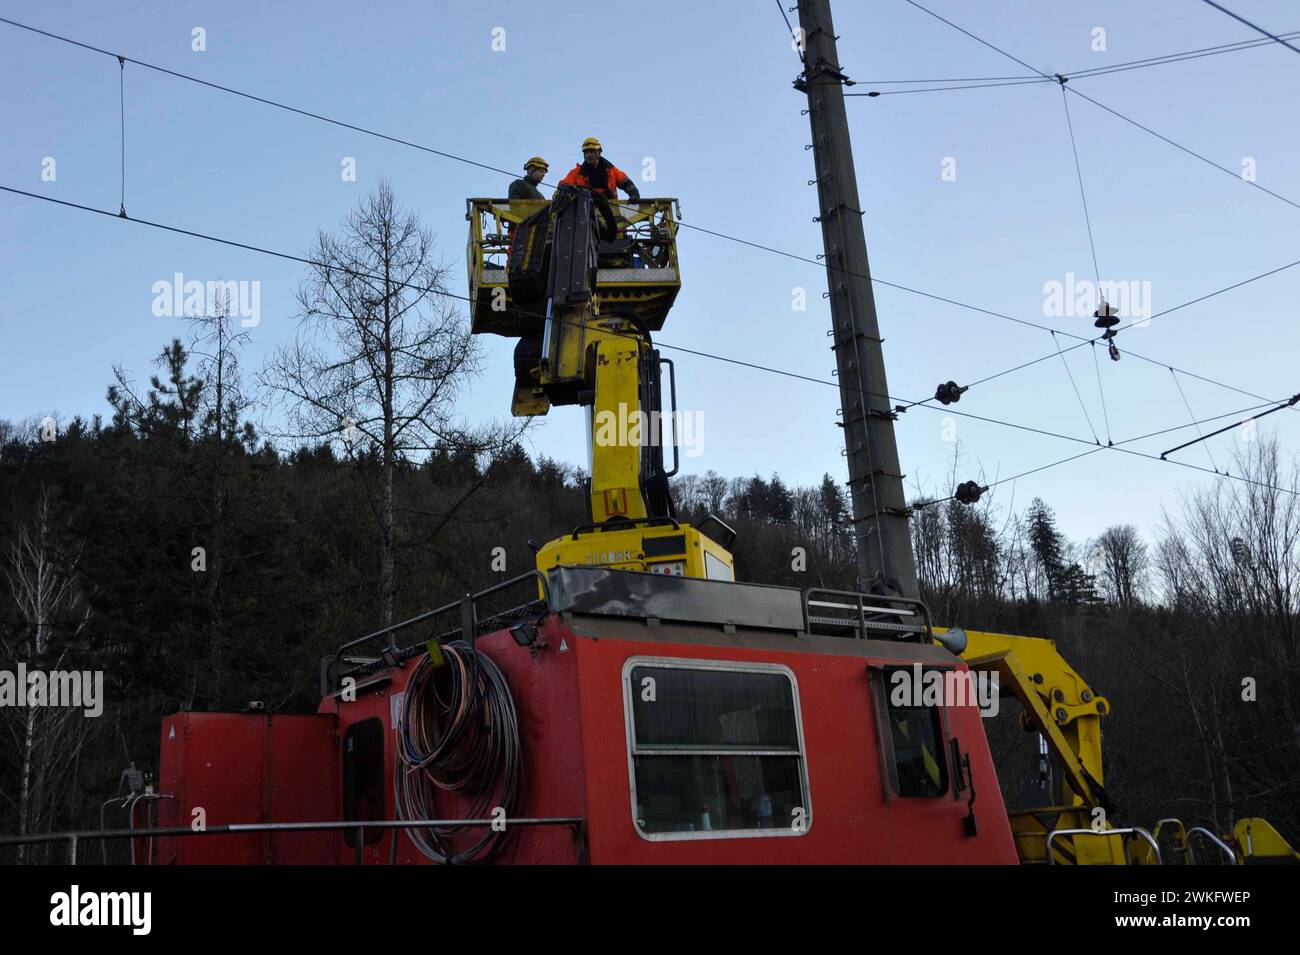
{"x": 582, "y": 290}
{"x": 1058, "y": 703}
{"x": 1061, "y": 707}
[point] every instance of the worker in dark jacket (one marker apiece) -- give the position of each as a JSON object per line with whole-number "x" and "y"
{"x": 526, "y": 188}
{"x": 599, "y": 174}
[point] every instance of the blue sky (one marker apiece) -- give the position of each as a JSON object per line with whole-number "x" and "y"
{"x": 703, "y": 89}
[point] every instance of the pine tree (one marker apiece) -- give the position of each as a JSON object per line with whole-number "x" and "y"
{"x": 1047, "y": 545}
{"x": 835, "y": 515}
{"x": 780, "y": 502}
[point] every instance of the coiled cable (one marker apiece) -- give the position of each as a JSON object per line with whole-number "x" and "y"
{"x": 458, "y": 731}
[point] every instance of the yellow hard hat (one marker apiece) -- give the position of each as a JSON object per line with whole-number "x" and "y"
{"x": 591, "y": 142}
{"x": 536, "y": 161}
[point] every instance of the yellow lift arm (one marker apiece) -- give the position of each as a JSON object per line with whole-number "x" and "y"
{"x": 1061, "y": 707}
{"x": 1066, "y": 712}
{"x": 582, "y": 288}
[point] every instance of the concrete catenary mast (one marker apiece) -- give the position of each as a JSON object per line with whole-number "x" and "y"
{"x": 885, "y": 560}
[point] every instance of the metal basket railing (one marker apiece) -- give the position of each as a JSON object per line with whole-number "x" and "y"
{"x": 457, "y": 619}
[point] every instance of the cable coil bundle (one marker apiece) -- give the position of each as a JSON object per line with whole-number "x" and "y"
{"x": 458, "y": 731}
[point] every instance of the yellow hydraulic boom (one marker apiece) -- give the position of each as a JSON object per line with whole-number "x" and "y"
{"x": 1061, "y": 707}
{"x": 582, "y": 283}
{"x": 1064, "y": 710}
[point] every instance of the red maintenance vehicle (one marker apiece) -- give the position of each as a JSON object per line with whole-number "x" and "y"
{"x": 624, "y": 717}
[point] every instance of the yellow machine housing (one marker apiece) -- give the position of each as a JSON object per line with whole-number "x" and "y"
{"x": 672, "y": 549}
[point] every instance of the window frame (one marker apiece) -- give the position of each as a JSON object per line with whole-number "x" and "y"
{"x": 879, "y": 687}
{"x": 730, "y": 666}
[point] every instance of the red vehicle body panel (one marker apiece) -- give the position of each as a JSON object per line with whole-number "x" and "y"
{"x": 851, "y": 822}
{"x": 244, "y": 768}
{"x": 571, "y": 705}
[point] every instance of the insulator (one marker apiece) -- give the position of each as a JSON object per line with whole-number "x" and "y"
{"x": 968, "y": 492}
{"x": 1106, "y": 315}
{"x": 949, "y": 392}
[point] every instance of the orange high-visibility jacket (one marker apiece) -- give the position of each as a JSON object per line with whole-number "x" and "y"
{"x": 614, "y": 179}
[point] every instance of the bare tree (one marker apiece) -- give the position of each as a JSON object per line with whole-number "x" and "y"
{"x": 380, "y": 359}
{"x": 960, "y": 555}
{"x": 1123, "y": 564}
{"x": 1230, "y": 562}
{"x": 217, "y": 343}
{"x": 686, "y": 493}
{"x": 52, "y": 613}
{"x": 714, "y": 492}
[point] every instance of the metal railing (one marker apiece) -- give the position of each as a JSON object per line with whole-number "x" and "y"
{"x": 360, "y": 827}
{"x": 1232, "y": 856}
{"x": 1183, "y": 842}
{"x": 492, "y": 221}
{"x": 867, "y": 615}
{"x": 642, "y": 260}
{"x": 470, "y": 625}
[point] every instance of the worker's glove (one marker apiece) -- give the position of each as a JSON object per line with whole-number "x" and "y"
{"x": 632, "y": 192}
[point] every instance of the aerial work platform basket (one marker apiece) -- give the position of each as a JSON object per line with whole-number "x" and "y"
{"x": 637, "y": 273}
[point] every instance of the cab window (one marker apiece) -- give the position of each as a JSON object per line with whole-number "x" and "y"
{"x": 715, "y": 748}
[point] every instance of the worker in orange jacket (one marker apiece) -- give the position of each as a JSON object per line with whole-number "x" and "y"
{"x": 598, "y": 174}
